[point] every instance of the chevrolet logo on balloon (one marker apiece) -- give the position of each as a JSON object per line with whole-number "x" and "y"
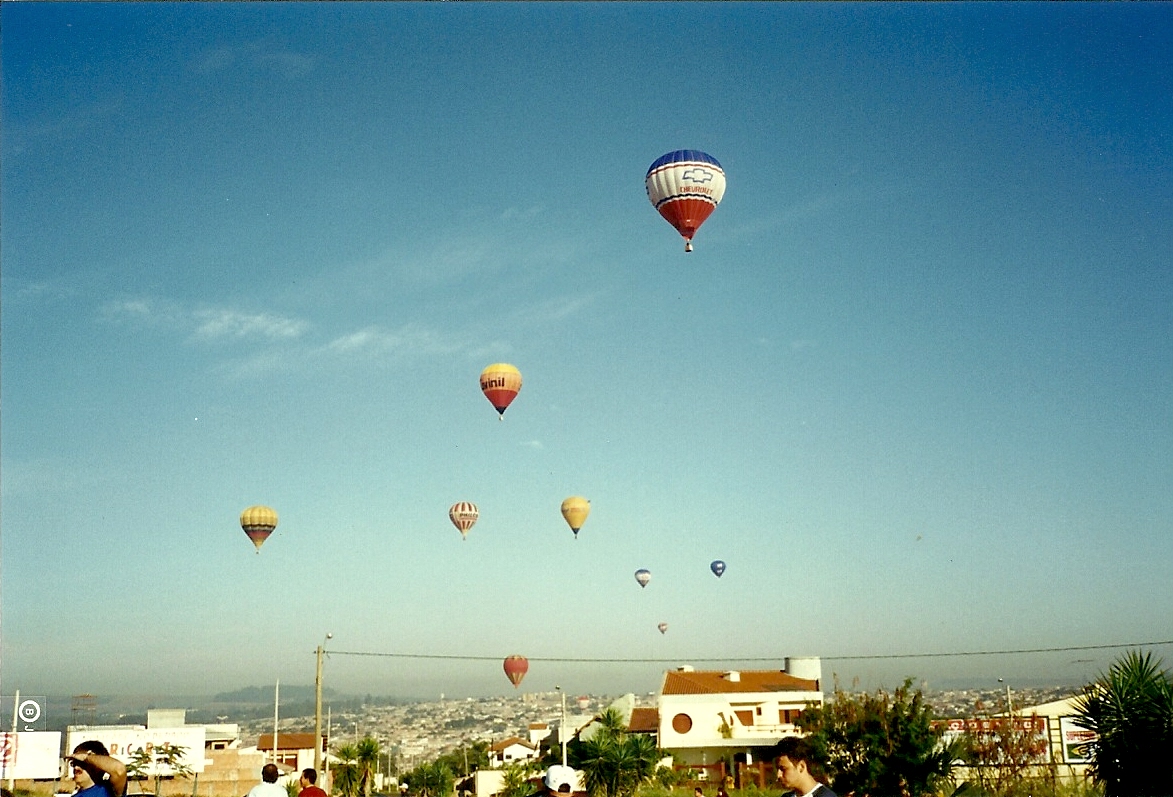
{"x": 684, "y": 187}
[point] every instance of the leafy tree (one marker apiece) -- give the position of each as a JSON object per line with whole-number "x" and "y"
{"x": 614, "y": 763}
{"x": 345, "y": 770}
{"x": 667, "y": 777}
{"x": 467, "y": 758}
{"x": 1002, "y": 754}
{"x": 881, "y": 744}
{"x": 158, "y": 761}
{"x": 1131, "y": 709}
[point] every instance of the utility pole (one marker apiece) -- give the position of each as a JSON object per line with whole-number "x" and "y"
{"x": 318, "y": 708}
{"x": 562, "y": 725}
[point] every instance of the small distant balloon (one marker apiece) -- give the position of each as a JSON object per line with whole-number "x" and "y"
{"x": 643, "y": 576}
{"x": 718, "y": 567}
{"x": 463, "y": 515}
{"x": 258, "y": 523}
{"x": 515, "y": 668}
{"x": 575, "y": 509}
{"x": 500, "y": 382}
{"x": 663, "y": 628}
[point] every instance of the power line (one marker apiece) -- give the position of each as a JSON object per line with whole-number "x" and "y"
{"x": 728, "y": 659}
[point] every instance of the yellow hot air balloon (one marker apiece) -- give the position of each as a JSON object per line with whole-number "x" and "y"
{"x": 500, "y": 382}
{"x": 258, "y": 523}
{"x": 575, "y": 509}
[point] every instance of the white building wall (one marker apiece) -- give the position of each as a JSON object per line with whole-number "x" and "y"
{"x": 708, "y": 712}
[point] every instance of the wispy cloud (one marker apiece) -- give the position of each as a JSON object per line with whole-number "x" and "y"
{"x": 280, "y": 342}
{"x": 408, "y": 339}
{"x": 44, "y": 290}
{"x": 202, "y": 323}
{"x": 254, "y": 55}
{"x": 558, "y": 308}
{"x": 222, "y": 323}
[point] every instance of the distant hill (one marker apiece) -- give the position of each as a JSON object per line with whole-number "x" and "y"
{"x": 264, "y": 694}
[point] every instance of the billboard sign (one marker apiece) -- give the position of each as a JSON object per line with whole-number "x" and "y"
{"x": 1077, "y": 741}
{"x": 126, "y": 744}
{"x": 30, "y": 755}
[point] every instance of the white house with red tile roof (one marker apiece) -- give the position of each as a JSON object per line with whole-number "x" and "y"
{"x": 512, "y": 749}
{"x": 711, "y": 715}
{"x": 295, "y": 751}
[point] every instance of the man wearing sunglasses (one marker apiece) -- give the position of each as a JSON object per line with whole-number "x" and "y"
{"x": 96, "y": 772}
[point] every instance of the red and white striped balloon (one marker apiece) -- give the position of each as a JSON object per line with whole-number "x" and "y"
{"x": 463, "y": 515}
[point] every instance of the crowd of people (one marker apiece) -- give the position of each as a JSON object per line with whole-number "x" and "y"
{"x": 98, "y": 774}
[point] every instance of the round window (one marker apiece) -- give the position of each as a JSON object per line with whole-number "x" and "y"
{"x": 682, "y": 723}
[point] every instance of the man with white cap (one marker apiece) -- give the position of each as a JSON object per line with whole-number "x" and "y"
{"x": 560, "y": 780}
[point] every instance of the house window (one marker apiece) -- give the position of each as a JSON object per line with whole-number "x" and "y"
{"x": 682, "y": 723}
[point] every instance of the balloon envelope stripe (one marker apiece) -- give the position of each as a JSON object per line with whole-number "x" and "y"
{"x": 684, "y": 156}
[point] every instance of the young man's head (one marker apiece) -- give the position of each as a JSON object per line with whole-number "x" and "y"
{"x": 81, "y": 775}
{"x": 309, "y": 777}
{"x": 269, "y": 773}
{"x": 794, "y": 760}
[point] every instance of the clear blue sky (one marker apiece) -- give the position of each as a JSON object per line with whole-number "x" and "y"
{"x": 915, "y": 384}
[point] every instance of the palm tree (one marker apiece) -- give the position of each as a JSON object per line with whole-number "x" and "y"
{"x": 367, "y": 759}
{"x": 345, "y": 770}
{"x": 614, "y": 763}
{"x": 435, "y": 780}
{"x": 1130, "y": 708}
{"x": 515, "y": 782}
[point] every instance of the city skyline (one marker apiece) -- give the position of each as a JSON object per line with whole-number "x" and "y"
{"x": 914, "y": 385}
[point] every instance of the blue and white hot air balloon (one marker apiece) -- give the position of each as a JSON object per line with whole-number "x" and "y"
{"x": 685, "y": 186}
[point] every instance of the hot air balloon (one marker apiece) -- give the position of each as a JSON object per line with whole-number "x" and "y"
{"x": 500, "y": 382}
{"x": 463, "y": 515}
{"x": 258, "y": 523}
{"x": 663, "y": 628}
{"x": 685, "y": 186}
{"x": 515, "y": 668}
{"x": 718, "y": 567}
{"x": 575, "y": 509}
{"x": 643, "y": 576}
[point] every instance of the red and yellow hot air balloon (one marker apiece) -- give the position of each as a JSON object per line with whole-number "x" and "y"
{"x": 463, "y": 515}
{"x": 500, "y": 382}
{"x": 575, "y": 509}
{"x": 685, "y": 186}
{"x": 258, "y": 523}
{"x": 515, "y": 668}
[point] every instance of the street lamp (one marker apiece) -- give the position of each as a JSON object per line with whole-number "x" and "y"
{"x": 1009, "y": 705}
{"x": 318, "y": 706}
{"x": 562, "y": 727}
